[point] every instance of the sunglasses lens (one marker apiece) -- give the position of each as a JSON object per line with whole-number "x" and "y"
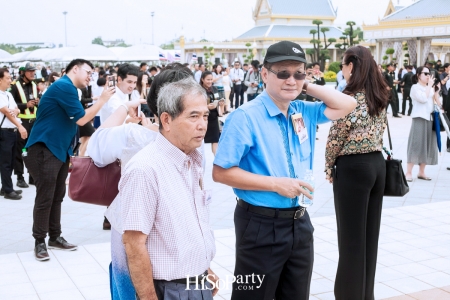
{"x": 299, "y": 76}
{"x": 283, "y": 75}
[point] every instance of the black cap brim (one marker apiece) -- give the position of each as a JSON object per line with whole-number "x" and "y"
{"x": 30, "y": 69}
{"x": 283, "y": 58}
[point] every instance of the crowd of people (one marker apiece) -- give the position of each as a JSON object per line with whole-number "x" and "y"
{"x": 156, "y": 121}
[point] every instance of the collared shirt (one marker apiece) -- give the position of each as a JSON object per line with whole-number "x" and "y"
{"x": 113, "y": 103}
{"x": 236, "y": 74}
{"x": 342, "y": 85}
{"x": 158, "y": 199}
{"x": 6, "y": 99}
{"x": 56, "y": 119}
{"x": 259, "y": 139}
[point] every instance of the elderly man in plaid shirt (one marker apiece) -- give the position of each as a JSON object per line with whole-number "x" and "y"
{"x": 165, "y": 210}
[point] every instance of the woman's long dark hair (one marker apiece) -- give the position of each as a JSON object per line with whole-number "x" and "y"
{"x": 419, "y": 71}
{"x": 204, "y": 74}
{"x": 366, "y": 78}
{"x": 171, "y": 73}
{"x": 139, "y": 82}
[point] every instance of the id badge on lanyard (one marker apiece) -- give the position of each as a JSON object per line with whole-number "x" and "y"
{"x": 300, "y": 127}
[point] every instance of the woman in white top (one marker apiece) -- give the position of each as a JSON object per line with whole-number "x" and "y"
{"x": 227, "y": 89}
{"x": 422, "y": 142}
{"x": 217, "y": 79}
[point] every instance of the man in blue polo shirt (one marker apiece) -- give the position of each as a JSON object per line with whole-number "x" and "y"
{"x": 265, "y": 147}
{"x": 50, "y": 146}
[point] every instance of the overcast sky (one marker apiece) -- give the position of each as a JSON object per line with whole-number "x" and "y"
{"x": 215, "y": 20}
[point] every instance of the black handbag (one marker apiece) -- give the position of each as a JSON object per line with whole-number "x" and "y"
{"x": 396, "y": 184}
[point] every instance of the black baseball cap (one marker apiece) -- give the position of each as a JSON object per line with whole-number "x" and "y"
{"x": 285, "y": 50}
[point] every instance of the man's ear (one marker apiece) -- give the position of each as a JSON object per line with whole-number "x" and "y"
{"x": 166, "y": 120}
{"x": 264, "y": 75}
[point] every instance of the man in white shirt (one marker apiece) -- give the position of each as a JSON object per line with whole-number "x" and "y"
{"x": 9, "y": 123}
{"x": 198, "y": 74}
{"x": 126, "y": 82}
{"x": 237, "y": 77}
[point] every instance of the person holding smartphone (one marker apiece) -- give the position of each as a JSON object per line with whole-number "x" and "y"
{"x": 215, "y": 106}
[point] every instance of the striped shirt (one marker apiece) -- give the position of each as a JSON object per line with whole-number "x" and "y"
{"x": 162, "y": 195}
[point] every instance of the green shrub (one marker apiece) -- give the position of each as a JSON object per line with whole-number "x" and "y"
{"x": 334, "y": 66}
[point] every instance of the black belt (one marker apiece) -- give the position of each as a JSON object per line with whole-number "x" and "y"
{"x": 192, "y": 280}
{"x": 29, "y": 120}
{"x": 9, "y": 129}
{"x": 294, "y": 213}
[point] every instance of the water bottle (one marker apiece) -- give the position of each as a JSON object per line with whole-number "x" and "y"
{"x": 24, "y": 152}
{"x": 309, "y": 178}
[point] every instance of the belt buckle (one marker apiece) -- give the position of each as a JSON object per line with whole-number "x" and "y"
{"x": 299, "y": 213}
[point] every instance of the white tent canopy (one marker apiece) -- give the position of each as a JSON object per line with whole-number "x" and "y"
{"x": 4, "y": 55}
{"x": 39, "y": 54}
{"x": 21, "y": 56}
{"x": 117, "y": 50}
{"x": 141, "y": 53}
{"x": 89, "y": 52}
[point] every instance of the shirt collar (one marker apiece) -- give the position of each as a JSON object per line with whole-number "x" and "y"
{"x": 3, "y": 93}
{"x": 178, "y": 157}
{"x": 121, "y": 94}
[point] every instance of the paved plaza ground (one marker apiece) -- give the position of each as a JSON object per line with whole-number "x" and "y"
{"x": 414, "y": 250}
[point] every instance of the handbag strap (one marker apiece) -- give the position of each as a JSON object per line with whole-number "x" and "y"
{"x": 388, "y": 153}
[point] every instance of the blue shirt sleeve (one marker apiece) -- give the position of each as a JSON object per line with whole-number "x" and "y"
{"x": 235, "y": 140}
{"x": 320, "y": 109}
{"x": 70, "y": 102}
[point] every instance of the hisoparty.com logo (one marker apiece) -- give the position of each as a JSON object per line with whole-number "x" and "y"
{"x": 243, "y": 282}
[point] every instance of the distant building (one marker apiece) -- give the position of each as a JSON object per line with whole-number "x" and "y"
{"x": 275, "y": 20}
{"x": 423, "y": 27}
{"x": 40, "y": 45}
{"x": 113, "y": 43}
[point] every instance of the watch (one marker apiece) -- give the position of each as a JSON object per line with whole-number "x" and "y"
{"x": 305, "y": 87}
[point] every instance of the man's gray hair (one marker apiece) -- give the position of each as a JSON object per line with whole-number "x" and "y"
{"x": 172, "y": 95}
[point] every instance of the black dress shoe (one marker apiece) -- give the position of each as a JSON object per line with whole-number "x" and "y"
{"x": 396, "y": 116}
{"x": 40, "y": 252}
{"x": 61, "y": 244}
{"x": 2, "y": 192}
{"x": 21, "y": 183}
{"x": 13, "y": 196}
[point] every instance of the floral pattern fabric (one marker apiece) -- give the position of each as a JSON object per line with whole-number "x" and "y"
{"x": 356, "y": 133}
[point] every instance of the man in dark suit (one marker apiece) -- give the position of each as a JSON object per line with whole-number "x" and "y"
{"x": 389, "y": 76}
{"x": 407, "y": 84}
{"x": 445, "y": 77}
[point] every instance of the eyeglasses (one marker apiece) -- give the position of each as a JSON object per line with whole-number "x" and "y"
{"x": 426, "y": 74}
{"x": 88, "y": 72}
{"x": 283, "y": 75}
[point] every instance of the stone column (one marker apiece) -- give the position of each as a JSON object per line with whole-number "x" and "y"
{"x": 334, "y": 54}
{"x": 377, "y": 52}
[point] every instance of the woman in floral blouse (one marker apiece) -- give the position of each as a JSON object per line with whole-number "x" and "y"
{"x": 356, "y": 167}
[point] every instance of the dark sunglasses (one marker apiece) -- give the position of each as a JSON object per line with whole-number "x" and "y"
{"x": 426, "y": 73}
{"x": 286, "y": 75}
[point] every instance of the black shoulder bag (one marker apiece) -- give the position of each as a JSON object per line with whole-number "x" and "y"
{"x": 396, "y": 184}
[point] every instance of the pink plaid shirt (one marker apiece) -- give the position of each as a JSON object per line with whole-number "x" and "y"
{"x": 158, "y": 199}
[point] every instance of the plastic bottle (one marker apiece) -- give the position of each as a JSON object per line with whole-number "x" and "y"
{"x": 24, "y": 152}
{"x": 309, "y": 178}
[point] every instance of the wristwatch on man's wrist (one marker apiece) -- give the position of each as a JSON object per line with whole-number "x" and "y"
{"x": 305, "y": 87}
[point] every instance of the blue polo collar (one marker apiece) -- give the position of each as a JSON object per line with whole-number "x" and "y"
{"x": 271, "y": 107}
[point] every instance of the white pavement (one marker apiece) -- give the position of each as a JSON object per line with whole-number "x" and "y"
{"x": 414, "y": 251}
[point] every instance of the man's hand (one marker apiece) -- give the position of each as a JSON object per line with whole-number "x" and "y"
{"x": 133, "y": 107}
{"x": 23, "y": 132}
{"x": 107, "y": 94}
{"x": 214, "y": 278}
{"x": 14, "y": 112}
{"x": 31, "y": 104}
{"x": 291, "y": 188}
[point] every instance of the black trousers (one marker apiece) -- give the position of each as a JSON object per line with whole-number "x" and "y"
{"x": 238, "y": 100}
{"x": 446, "y": 105}
{"x": 8, "y": 140}
{"x": 280, "y": 249}
{"x": 243, "y": 90}
{"x": 393, "y": 101}
{"x": 406, "y": 97}
{"x": 18, "y": 164}
{"x": 49, "y": 175}
{"x": 358, "y": 185}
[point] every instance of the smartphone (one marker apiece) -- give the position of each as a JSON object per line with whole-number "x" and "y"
{"x": 111, "y": 81}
